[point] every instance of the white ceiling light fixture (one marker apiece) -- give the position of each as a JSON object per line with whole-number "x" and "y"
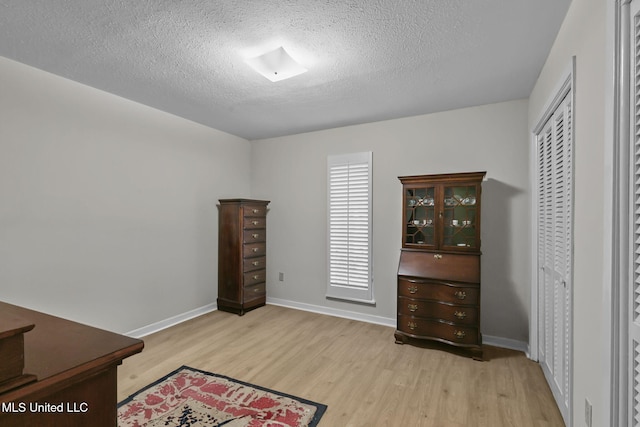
{"x": 276, "y": 65}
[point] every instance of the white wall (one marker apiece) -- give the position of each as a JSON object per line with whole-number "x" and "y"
{"x": 583, "y": 35}
{"x": 108, "y": 208}
{"x": 291, "y": 172}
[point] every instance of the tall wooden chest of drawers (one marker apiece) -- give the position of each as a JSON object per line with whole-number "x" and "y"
{"x": 439, "y": 268}
{"x": 242, "y": 254}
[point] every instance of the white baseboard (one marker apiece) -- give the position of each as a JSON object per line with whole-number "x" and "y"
{"x": 171, "y": 321}
{"x": 368, "y": 318}
{"x": 506, "y": 343}
{"x": 378, "y": 320}
{"x": 385, "y": 321}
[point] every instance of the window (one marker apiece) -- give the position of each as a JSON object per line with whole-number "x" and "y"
{"x": 349, "y": 245}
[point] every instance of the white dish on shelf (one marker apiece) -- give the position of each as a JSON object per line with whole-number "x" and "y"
{"x": 469, "y": 201}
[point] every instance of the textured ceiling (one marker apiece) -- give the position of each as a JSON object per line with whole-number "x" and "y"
{"x": 368, "y": 60}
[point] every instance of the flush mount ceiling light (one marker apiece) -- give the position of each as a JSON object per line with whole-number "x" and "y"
{"x": 276, "y": 65}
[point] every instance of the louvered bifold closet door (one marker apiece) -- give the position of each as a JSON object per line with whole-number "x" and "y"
{"x": 564, "y": 244}
{"x": 555, "y": 219}
{"x": 545, "y": 244}
{"x": 634, "y": 289}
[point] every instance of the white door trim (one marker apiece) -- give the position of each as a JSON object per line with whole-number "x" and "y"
{"x": 617, "y": 215}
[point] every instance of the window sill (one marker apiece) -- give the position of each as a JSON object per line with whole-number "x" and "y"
{"x": 371, "y": 302}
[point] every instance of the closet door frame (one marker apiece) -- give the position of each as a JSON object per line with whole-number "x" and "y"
{"x": 564, "y": 88}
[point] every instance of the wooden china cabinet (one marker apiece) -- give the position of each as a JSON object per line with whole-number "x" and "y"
{"x": 439, "y": 269}
{"x": 242, "y": 255}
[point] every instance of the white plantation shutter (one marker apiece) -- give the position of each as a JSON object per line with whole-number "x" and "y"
{"x": 349, "y": 201}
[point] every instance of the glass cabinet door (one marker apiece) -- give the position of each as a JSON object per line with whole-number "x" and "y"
{"x": 420, "y": 216}
{"x": 459, "y": 217}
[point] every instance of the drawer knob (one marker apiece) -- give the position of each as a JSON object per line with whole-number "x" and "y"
{"x": 255, "y": 249}
{"x": 254, "y": 222}
{"x": 412, "y": 307}
{"x": 255, "y": 235}
{"x": 256, "y": 277}
{"x": 437, "y": 256}
{"x": 413, "y": 289}
{"x": 460, "y": 314}
{"x": 256, "y": 263}
{"x": 459, "y": 334}
{"x": 256, "y": 290}
{"x": 460, "y": 294}
{"x": 255, "y": 211}
{"x": 412, "y": 325}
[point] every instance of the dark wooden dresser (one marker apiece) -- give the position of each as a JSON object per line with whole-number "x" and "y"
{"x": 69, "y": 371}
{"x": 242, "y": 255}
{"x": 439, "y": 268}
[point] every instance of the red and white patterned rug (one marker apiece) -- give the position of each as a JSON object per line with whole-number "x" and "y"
{"x": 191, "y": 397}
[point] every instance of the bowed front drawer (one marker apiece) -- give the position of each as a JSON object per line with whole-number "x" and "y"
{"x": 449, "y": 333}
{"x": 463, "y": 315}
{"x": 438, "y": 291}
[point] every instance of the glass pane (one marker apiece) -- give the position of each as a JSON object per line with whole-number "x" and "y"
{"x": 460, "y": 216}
{"x": 420, "y": 215}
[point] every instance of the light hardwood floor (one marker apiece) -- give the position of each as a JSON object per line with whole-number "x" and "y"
{"x": 353, "y": 367}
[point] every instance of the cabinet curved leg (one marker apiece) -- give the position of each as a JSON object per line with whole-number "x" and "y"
{"x": 476, "y": 354}
{"x": 400, "y": 338}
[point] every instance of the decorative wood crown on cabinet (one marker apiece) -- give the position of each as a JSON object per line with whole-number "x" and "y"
{"x": 242, "y": 255}
{"x": 439, "y": 268}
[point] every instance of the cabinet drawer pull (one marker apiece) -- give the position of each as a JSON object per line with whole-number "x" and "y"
{"x": 255, "y": 211}
{"x": 412, "y": 307}
{"x": 254, "y": 222}
{"x": 412, "y": 325}
{"x": 459, "y": 334}
{"x": 256, "y": 263}
{"x": 412, "y": 289}
{"x": 255, "y": 235}
{"x": 460, "y": 314}
{"x": 437, "y": 256}
{"x": 256, "y": 290}
{"x": 256, "y": 277}
{"x": 255, "y": 249}
{"x": 460, "y": 294}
